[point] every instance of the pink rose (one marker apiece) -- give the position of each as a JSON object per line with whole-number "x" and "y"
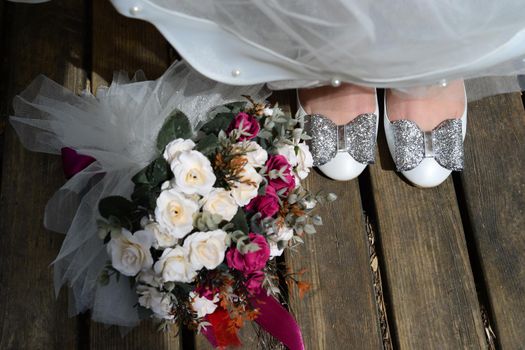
{"x": 267, "y": 205}
{"x": 254, "y": 282}
{"x": 252, "y": 261}
{"x": 277, "y": 162}
{"x": 247, "y": 123}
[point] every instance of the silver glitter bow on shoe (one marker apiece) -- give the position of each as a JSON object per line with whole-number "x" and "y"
{"x": 358, "y": 138}
{"x": 444, "y": 144}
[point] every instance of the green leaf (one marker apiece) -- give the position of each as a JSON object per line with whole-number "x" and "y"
{"x": 208, "y": 144}
{"x": 121, "y": 209}
{"x": 236, "y": 107}
{"x": 240, "y": 222}
{"x": 146, "y": 196}
{"x": 144, "y": 313}
{"x": 116, "y": 206}
{"x": 155, "y": 174}
{"x": 220, "y": 122}
{"x": 103, "y": 278}
{"x": 331, "y": 197}
{"x": 317, "y": 220}
{"x": 176, "y": 126}
{"x": 310, "y": 229}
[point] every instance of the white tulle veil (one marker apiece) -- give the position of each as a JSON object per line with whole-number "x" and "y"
{"x": 405, "y": 44}
{"x": 118, "y": 127}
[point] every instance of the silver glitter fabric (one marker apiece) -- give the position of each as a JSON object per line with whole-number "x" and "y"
{"x": 447, "y": 139}
{"x": 358, "y": 138}
{"x": 444, "y": 144}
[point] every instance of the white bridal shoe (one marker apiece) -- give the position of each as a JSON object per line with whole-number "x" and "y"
{"x": 341, "y": 152}
{"x": 426, "y": 158}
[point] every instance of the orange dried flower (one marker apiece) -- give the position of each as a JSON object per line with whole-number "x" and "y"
{"x": 303, "y": 287}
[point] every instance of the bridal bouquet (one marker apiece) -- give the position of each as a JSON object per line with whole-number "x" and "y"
{"x": 182, "y": 190}
{"x": 207, "y": 216}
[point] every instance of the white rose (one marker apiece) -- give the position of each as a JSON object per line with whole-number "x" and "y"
{"x": 304, "y": 160}
{"x": 243, "y": 192}
{"x": 255, "y": 154}
{"x": 193, "y": 173}
{"x": 163, "y": 238}
{"x": 156, "y": 301}
{"x": 174, "y": 265}
{"x": 289, "y": 152}
{"x": 202, "y": 305}
{"x": 284, "y": 234}
{"x": 268, "y": 111}
{"x": 166, "y": 185}
{"x": 174, "y": 213}
{"x": 175, "y": 147}
{"x": 297, "y": 180}
{"x": 274, "y": 249}
{"x": 219, "y": 201}
{"x": 206, "y": 249}
{"x": 130, "y": 252}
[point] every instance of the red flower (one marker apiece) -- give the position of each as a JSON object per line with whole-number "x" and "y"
{"x": 278, "y": 162}
{"x": 248, "y": 125}
{"x": 252, "y": 261}
{"x": 254, "y": 282}
{"x": 267, "y": 205}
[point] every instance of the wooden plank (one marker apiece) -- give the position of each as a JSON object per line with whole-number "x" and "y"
{"x": 125, "y": 44}
{"x": 433, "y": 302}
{"x": 247, "y": 335}
{"x": 2, "y": 29}
{"x": 121, "y": 43}
{"x": 494, "y": 190}
{"x": 46, "y": 39}
{"x": 143, "y": 337}
{"x": 340, "y": 310}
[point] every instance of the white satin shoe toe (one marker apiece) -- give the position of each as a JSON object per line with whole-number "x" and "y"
{"x": 426, "y": 159}
{"x": 342, "y": 152}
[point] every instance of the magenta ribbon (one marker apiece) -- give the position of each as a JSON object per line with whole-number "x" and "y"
{"x": 274, "y": 319}
{"x": 73, "y": 162}
{"x": 210, "y": 335}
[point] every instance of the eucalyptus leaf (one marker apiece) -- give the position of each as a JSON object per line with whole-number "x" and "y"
{"x": 252, "y": 247}
{"x": 309, "y": 228}
{"x": 292, "y": 198}
{"x": 331, "y": 197}
{"x": 264, "y": 134}
{"x": 300, "y": 219}
{"x": 317, "y": 220}
{"x": 297, "y": 239}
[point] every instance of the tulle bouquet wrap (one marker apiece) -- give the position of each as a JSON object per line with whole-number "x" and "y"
{"x": 182, "y": 192}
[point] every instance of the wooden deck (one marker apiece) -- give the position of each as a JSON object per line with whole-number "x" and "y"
{"x": 393, "y": 267}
